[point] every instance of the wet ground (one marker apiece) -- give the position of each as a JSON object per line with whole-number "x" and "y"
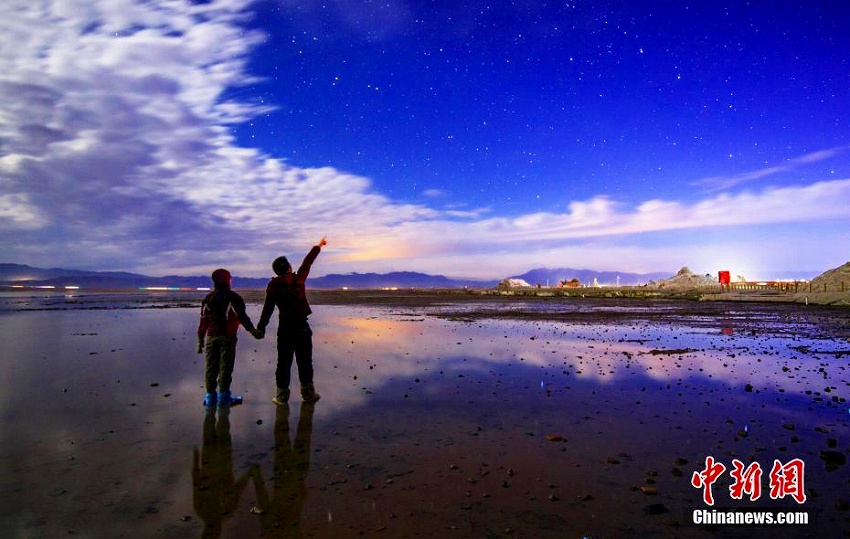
{"x": 460, "y": 418}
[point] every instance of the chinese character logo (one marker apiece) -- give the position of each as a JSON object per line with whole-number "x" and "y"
{"x": 785, "y": 480}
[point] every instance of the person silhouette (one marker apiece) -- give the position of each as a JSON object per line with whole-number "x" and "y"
{"x": 215, "y": 492}
{"x": 281, "y": 512}
{"x": 287, "y": 292}
{"x": 222, "y": 312}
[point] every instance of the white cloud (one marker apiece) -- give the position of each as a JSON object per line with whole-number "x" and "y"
{"x": 17, "y": 213}
{"x": 116, "y": 154}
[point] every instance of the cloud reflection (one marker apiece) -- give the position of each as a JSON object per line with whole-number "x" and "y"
{"x": 406, "y": 346}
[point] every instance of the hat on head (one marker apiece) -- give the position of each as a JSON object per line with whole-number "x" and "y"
{"x": 221, "y": 277}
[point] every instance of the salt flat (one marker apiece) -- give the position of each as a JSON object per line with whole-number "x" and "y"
{"x": 437, "y": 419}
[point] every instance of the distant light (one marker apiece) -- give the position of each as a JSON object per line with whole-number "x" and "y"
{"x": 205, "y": 289}
{"x": 72, "y": 287}
{"x": 46, "y": 286}
{"x": 17, "y": 286}
{"x": 345, "y": 288}
{"x": 159, "y": 288}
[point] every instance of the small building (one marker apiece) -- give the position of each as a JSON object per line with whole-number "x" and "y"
{"x": 514, "y": 283}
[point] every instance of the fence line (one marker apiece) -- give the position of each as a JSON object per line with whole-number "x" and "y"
{"x": 781, "y": 287}
{"x": 788, "y": 287}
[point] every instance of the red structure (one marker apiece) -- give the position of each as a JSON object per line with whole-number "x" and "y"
{"x": 724, "y": 277}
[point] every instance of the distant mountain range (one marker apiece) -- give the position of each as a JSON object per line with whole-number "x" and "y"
{"x": 18, "y": 274}
{"x": 552, "y": 276}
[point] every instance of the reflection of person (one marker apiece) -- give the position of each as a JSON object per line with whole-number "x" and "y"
{"x": 215, "y": 493}
{"x": 287, "y": 292}
{"x": 221, "y": 313}
{"x": 281, "y": 514}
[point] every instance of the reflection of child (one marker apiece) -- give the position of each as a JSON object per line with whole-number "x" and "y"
{"x": 216, "y": 492}
{"x": 221, "y": 313}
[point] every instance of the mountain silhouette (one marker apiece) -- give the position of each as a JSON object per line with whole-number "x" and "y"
{"x": 23, "y": 275}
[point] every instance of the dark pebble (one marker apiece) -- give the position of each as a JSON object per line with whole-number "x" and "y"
{"x": 657, "y": 509}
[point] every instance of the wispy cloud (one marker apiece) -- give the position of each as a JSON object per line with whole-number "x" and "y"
{"x": 116, "y": 154}
{"x": 722, "y": 183}
{"x": 602, "y": 217}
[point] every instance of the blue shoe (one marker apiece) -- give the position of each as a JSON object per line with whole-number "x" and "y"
{"x": 226, "y": 399}
{"x": 210, "y": 399}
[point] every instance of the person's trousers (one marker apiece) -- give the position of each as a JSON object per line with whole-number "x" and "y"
{"x": 294, "y": 339}
{"x": 220, "y": 356}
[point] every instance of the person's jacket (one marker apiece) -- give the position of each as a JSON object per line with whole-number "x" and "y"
{"x": 222, "y": 310}
{"x": 288, "y": 293}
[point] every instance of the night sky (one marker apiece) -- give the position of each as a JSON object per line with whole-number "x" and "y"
{"x": 472, "y": 139}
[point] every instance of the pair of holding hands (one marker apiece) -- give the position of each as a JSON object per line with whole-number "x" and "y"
{"x": 258, "y": 333}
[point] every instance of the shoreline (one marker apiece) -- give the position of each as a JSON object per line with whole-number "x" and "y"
{"x": 425, "y": 296}
{"x": 418, "y": 297}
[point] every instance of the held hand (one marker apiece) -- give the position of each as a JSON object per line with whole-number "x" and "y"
{"x": 323, "y": 241}
{"x": 200, "y": 345}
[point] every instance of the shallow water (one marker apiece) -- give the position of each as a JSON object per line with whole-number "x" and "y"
{"x": 427, "y": 426}
{"x": 63, "y": 300}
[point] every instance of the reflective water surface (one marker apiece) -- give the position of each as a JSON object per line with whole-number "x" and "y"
{"x": 427, "y": 426}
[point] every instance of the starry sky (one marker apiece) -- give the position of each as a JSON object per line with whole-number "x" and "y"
{"x": 474, "y": 139}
